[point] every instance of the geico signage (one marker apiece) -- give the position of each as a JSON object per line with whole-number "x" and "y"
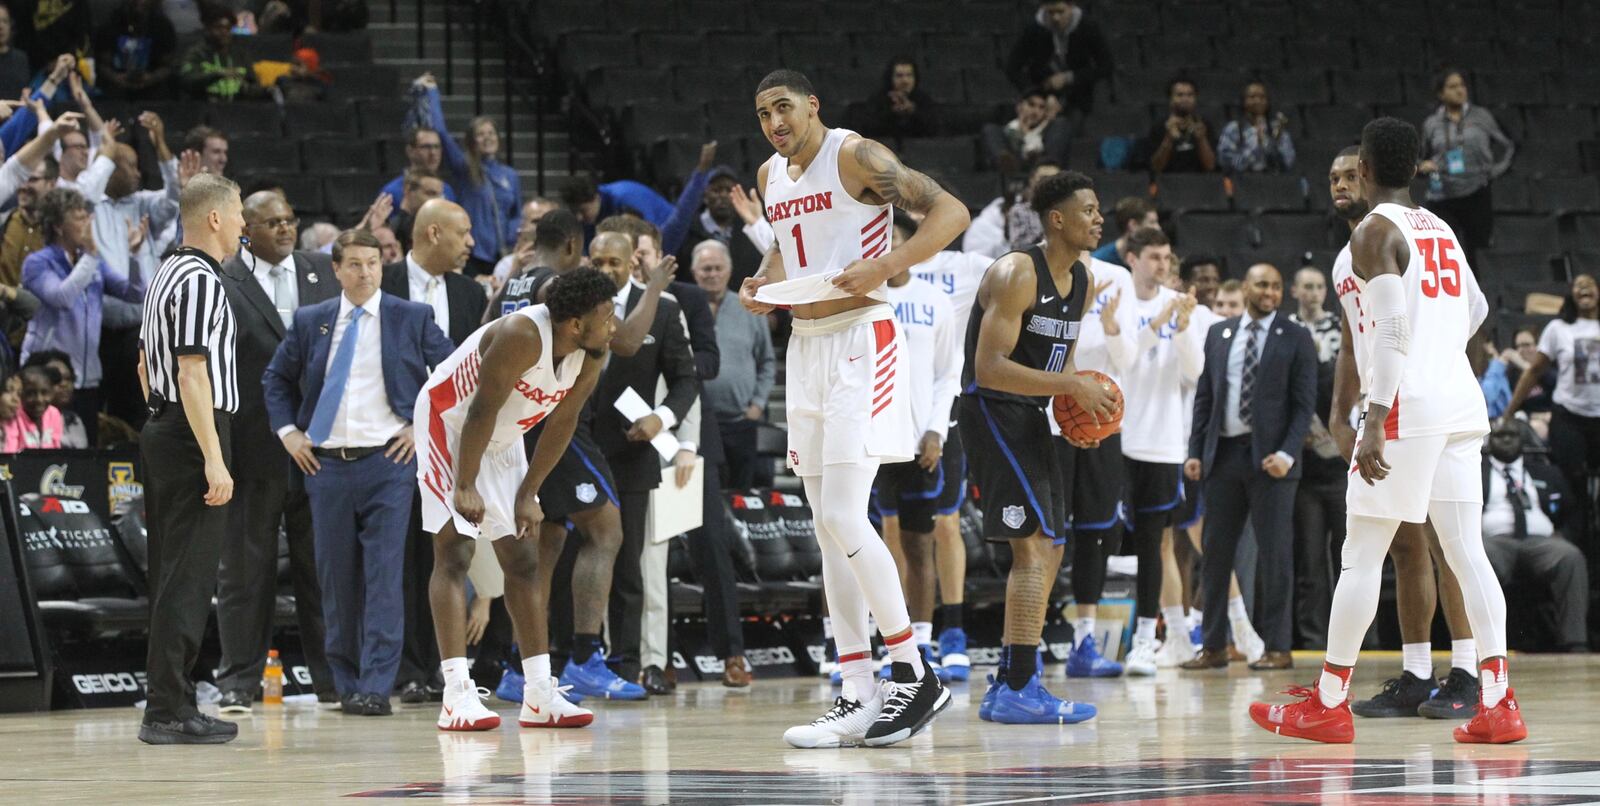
{"x": 774, "y": 656}
{"x": 108, "y": 683}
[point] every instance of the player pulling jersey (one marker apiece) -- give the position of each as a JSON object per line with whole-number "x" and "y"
{"x": 442, "y": 408}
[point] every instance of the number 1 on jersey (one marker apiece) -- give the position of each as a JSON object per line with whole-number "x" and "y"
{"x": 1443, "y": 271}
{"x": 799, "y": 244}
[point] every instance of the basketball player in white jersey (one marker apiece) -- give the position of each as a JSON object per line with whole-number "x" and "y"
{"x": 1418, "y": 453}
{"x": 538, "y": 362}
{"x": 828, "y": 194}
{"x": 912, "y": 496}
{"x": 1166, "y": 357}
{"x": 1415, "y": 549}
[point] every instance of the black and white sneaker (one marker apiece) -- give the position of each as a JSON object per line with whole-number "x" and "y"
{"x": 197, "y": 729}
{"x": 844, "y": 725}
{"x": 909, "y": 706}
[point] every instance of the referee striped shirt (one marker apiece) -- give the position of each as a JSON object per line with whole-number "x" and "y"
{"x": 187, "y": 313}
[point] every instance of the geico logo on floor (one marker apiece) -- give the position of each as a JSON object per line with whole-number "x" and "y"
{"x": 108, "y": 683}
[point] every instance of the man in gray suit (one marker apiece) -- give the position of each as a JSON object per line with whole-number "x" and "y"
{"x": 265, "y": 283}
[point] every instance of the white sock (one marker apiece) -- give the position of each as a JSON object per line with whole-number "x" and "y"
{"x": 1333, "y": 687}
{"x": 1177, "y": 623}
{"x": 1146, "y": 629}
{"x": 922, "y": 632}
{"x": 858, "y": 682}
{"x": 1082, "y": 628}
{"x": 1494, "y": 681}
{"x": 827, "y": 626}
{"x": 1236, "y": 609}
{"x": 536, "y": 669}
{"x": 456, "y": 671}
{"x": 1464, "y": 655}
{"x": 1197, "y": 618}
{"x": 1418, "y": 659}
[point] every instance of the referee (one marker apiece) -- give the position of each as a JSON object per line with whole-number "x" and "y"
{"x": 186, "y": 365}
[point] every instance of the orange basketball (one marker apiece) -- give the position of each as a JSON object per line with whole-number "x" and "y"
{"x": 1079, "y": 425}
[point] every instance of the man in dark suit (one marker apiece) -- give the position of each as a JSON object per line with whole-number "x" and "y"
{"x": 340, "y": 391}
{"x": 441, "y": 241}
{"x": 265, "y": 283}
{"x": 1252, "y": 411}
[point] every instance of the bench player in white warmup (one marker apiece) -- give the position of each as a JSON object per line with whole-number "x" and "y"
{"x": 828, "y": 194}
{"x": 1424, "y": 402}
{"x": 477, "y": 481}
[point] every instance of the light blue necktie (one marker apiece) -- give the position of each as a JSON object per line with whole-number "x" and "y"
{"x": 333, "y": 385}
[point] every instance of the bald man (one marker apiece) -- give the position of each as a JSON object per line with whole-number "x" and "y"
{"x": 441, "y": 241}
{"x": 265, "y": 283}
{"x": 1252, "y": 411}
{"x": 430, "y": 273}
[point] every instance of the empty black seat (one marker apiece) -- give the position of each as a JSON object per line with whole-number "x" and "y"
{"x": 1511, "y": 195}
{"x": 1456, "y": 52}
{"x": 1574, "y": 86}
{"x": 1194, "y": 19}
{"x": 582, "y": 51}
{"x": 945, "y": 155}
{"x": 1268, "y": 192}
{"x": 988, "y": 86}
{"x": 1117, "y": 121}
{"x": 555, "y": 17}
{"x": 620, "y": 86}
{"x": 263, "y": 155}
{"x": 1289, "y": 88}
{"x": 324, "y": 118}
{"x": 1508, "y": 87}
{"x": 303, "y": 190}
{"x": 680, "y": 47}
{"x": 349, "y": 48}
{"x": 1334, "y": 122}
{"x": 697, "y": 84}
{"x": 1565, "y": 194}
{"x": 711, "y": 15}
{"x": 1179, "y": 192}
{"x": 967, "y": 48}
{"x": 1262, "y": 52}
{"x": 1112, "y": 187}
{"x": 1321, "y": 48}
{"x": 348, "y": 197}
{"x": 805, "y": 48}
{"x": 341, "y": 155}
{"x": 626, "y": 14}
{"x": 1585, "y": 231}
{"x": 1584, "y": 261}
{"x": 370, "y": 81}
{"x": 646, "y": 121}
{"x": 1558, "y": 123}
{"x": 1209, "y": 233}
{"x": 1391, "y": 54}
{"x": 1527, "y": 51}
{"x": 739, "y": 48}
{"x": 1188, "y": 52}
{"x": 1366, "y": 87}
{"x": 729, "y": 118}
{"x": 837, "y": 86}
{"x": 1529, "y": 233}
{"x": 1509, "y": 265}
{"x": 1139, "y": 86}
{"x": 245, "y": 118}
{"x": 872, "y": 48}
{"x": 1292, "y": 232}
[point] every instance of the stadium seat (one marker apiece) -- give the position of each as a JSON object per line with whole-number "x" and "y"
{"x": 1259, "y": 21}
{"x": 350, "y": 51}
{"x": 1293, "y": 232}
{"x": 1367, "y": 87}
{"x": 320, "y": 118}
{"x": 1320, "y": 48}
{"x": 1117, "y": 121}
{"x": 646, "y": 121}
{"x": 798, "y": 49}
{"x": 1494, "y": 87}
{"x": 1334, "y": 122}
{"x": 1527, "y": 50}
{"x": 263, "y": 155}
{"x": 1210, "y": 233}
{"x": 620, "y": 86}
{"x": 739, "y": 48}
{"x": 872, "y": 49}
{"x": 730, "y": 118}
{"x": 1565, "y": 194}
{"x": 555, "y": 17}
{"x": 970, "y": 48}
{"x": 1584, "y": 261}
{"x": 1418, "y": 86}
{"x": 347, "y": 197}
{"x": 1458, "y": 52}
{"x": 948, "y": 155}
{"x": 582, "y": 51}
{"x": 369, "y": 81}
{"x": 1290, "y": 88}
{"x": 1195, "y": 19}
{"x": 392, "y": 154}
{"x": 634, "y": 14}
{"x": 1545, "y": 123}
{"x": 1390, "y": 54}
{"x": 988, "y": 86}
{"x": 381, "y": 117}
{"x": 944, "y": 83}
{"x": 341, "y": 155}
{"x": 975, "y": 189}
{"x": 1585, "y": 232}
{"x": 1268, "y": 192}
{"x": 1189, "y": 52}
{"x": 1511, "y": 195}
{"x": 837, "y": 86}
{"x": 1505, "y": 265}
{"x": 1182, "y": 192}
{"x": 681, "y": 47}
{"x": 304, "y": 191}
{"x": 1529, "y": 233}
{"x": 712, "y": 15}
{"x": 1139, "y": 86}
{"x": 1548, "y": 158}
{"x": 1111, "y": 187}
{"x": 697, "y": 84}
{"x": 1263, "y": 52}
{"x": 246, "y": 118}
{"x": 1574, "y": 86}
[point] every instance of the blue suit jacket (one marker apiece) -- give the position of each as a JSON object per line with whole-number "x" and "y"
{"x": 1285, "y": 393}
{"x": 412, "y": 346}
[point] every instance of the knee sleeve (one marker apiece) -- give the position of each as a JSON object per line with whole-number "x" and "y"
{"x": 1355, "y": 598}
{"x": 1460, "y": 528}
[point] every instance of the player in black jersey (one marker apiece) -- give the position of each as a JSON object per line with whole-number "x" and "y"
{"x": 557, "y": 249}
{"x": 1018, "y": 356}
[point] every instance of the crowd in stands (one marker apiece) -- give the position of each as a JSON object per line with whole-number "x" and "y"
{"x": 88, "y": 205}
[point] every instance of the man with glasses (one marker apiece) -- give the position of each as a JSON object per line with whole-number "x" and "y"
{"x": 265, "y": 283}
{"x": 424, "y": 150}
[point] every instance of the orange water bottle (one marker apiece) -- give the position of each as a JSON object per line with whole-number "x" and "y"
{"x": 272, "y": 680}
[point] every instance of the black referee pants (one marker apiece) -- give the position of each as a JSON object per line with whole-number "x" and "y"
{"x": 185, "y": 539}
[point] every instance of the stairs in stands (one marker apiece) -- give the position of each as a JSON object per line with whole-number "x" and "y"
{"x": 394, "y": 44}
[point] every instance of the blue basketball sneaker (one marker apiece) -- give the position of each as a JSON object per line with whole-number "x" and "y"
{"x": 1034, "y": 705}
{"x": 593, "y": 678}
{"x": 1085, "y": 660}
{"x": 953, "y": 654}
{"x": 986, "y": 708}
{"x": 511, "y": 683}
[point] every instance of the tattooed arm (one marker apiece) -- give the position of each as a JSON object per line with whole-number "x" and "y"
{"x": 873, "y": 174}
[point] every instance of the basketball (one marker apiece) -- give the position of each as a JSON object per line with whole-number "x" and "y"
{"x": 1079, "y": 425}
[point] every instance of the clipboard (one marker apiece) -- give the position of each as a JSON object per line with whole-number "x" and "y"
{"x": 676, "y": 510}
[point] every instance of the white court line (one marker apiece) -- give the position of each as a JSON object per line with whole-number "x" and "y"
{"x": 1181, "y": 788}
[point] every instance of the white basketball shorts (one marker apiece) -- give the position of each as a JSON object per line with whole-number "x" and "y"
{"x": 500, "y": 474}
{"x": 846, "y": 391}
{"x": 1441, "y": 467}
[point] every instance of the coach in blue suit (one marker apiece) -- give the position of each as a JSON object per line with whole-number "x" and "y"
{"x": 339, "y": 393}
{"x": 1252, "y": 410}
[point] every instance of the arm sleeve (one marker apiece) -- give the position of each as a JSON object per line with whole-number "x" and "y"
{"x": 12, "y": 175}
{"x": 947, "y": 371}
{"x": 92, "y": 182}
{"x": 760, "y": 233}
{"x": 18, "y": 129}
{"x": 677, "y": 227}
{"x": 454, "y": 158}
{"x": 1392, "y": 336}
{"x": 1191, "y": 352}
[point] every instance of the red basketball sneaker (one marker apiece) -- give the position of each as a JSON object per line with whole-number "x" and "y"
{"x": 1307, "y": 719}
{"x": 1501, "y": 724}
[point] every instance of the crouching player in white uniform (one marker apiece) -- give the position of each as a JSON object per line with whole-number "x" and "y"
{"x": 477, "y": 482}
{"x": 1419, "y": 449}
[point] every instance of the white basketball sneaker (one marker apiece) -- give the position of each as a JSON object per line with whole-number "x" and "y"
{"x": 844, "y": 725}
{"x": 543, "y": 706}
{"x": 1177, "y": 649}
{"x": 1246, "y": 640}
{"x": 1141, "y": 660}
{"x": 463, "y": 708}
